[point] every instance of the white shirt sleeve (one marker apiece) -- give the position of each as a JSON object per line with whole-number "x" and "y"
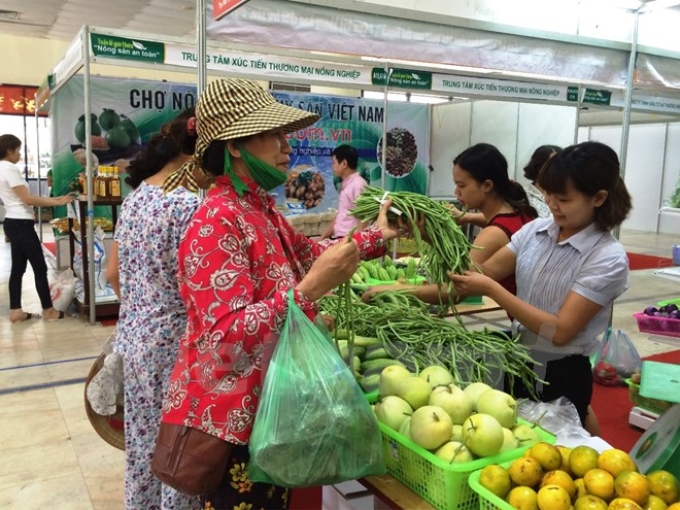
{"x": 520, "y": 237}
{"x": 604, "y": 276}
{"x": 14, "y": 178}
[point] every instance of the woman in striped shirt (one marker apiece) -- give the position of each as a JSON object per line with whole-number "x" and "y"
{"x": 569, "y": 270}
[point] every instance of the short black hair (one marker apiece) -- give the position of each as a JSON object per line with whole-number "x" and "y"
{"x": 484, "y": 162}
{"x": 590, "y": 167}
{"x": 8, "y": 143}
{"x": 346, "y": 153}
{"x": 538, "y": 159}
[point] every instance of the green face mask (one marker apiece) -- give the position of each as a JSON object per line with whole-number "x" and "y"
{"x": 265, "y": 175}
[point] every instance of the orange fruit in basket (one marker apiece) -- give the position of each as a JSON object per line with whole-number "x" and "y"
{"x": 525, "y": 471}
{"x": 580, "y": 488}
{"x": 615, "y": 461}
{"x": 564, "y": 451}
{"x": 553, "y": 497}
{"x": 547, "y": 455}
{"x": 562, "y": 479}
{"x": 523, "y": 498}
{"x": 664, "y": 485}
{"x": 495, "y": 479}
{"x": 674, "y": 506}
{"x": 582, "y": 459}
{"x": 655, "y": 503}
{"x": 599, "y": 483}
{"x": 623, "y": 504}
{"x": 589, "y": 502}
{"x": 633, "y": 486}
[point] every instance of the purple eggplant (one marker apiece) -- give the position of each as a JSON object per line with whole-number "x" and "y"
{"x": 651, "y": 310}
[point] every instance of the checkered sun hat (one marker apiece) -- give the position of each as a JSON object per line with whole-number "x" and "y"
{"x": 235, "y": 108}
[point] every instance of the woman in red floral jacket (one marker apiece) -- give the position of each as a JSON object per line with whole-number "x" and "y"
{"x": 237, "y": 261}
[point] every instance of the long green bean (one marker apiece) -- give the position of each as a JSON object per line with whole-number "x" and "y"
{"x": 410, "y": 334}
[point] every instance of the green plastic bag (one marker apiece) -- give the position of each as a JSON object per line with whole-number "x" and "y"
{"x": 313, "y": 425}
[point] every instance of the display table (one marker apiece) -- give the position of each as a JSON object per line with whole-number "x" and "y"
{"x": 391, "y": 494}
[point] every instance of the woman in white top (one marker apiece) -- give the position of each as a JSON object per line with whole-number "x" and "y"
{"x": 569, "y": 270}
{"x": 20, "y": 231}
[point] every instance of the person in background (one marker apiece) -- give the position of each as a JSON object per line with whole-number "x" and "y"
{"x": 142, "y": 270}
{"x": 540, "y": 156}
{"x": 569, "y": 270}
{"x": 19, "y": 228}
{"x": 49, "y": 179}
{"x": 535, "y": 195}
{"x": 480, "y": 174}
{"x": 345, "y": 162}
{"x": 238, "y": 262}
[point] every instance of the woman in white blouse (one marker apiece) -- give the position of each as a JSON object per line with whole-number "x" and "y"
{"x": 20, "y": 231}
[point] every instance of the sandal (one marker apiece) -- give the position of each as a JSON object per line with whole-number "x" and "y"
{"x": 27, "y": 316}
{"x": 62, "y": 315}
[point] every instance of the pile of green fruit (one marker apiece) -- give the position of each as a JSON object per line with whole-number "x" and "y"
{"x": 119, "y": 130}
{"x": 457, "y": 424}
{"x": 371, "y": 270}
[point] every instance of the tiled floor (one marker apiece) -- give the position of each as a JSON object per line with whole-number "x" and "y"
{"x": 50, "y": 455}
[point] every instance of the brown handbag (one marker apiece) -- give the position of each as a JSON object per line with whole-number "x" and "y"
{"x": 188, "y": 460}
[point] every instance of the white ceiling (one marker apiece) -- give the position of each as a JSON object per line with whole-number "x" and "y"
{"x": 61, "y": 19}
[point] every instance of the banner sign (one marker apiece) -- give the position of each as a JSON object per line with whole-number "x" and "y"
{"x": 598, "y": 97}
{"x": 125, "y": 114}
{"x": 270, "y": 66}
{"x": 311, "y": 185}
{"x": 500, "y": 88}
{"x": 69, "y": 64}
{"x": 123, "y": 48}
{"x": 642, "y": 101}
{"x": 18, "y": 100}
{"x": 402, "y": 78}
{"x": 223, "y": 7}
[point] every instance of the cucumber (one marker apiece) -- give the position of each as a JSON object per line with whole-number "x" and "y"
{"x": 378, "y": 353}
{"x": 364, "y": 341}
{"x": 382, "y": 274}
{"x": 370, "y": 383}
{"x": 379, "y": 363}
{"x": 363, "y": 273}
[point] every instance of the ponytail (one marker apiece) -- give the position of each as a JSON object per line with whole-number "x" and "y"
{"x": 516, "y": 197}
{"x": 174, "y": 139}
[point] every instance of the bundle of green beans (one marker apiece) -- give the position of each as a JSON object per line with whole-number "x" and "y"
{"x": 448, "y": 247}
{"x": 417, "y": 339}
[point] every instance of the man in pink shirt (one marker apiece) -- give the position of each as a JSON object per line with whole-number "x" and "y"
{"x": 345, "y": 161}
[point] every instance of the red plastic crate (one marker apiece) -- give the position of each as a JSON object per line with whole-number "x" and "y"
{"x": 658, "y": 325}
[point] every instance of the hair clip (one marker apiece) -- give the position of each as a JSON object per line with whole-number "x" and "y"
{"x": 191, "y": 126}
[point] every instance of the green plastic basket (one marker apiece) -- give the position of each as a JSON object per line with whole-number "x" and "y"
{"x": 443, "y": 485}
{"x": 372, "y": 396}
{"x": 487, "y": 499}
{"x": 674, "y": 301}
{"x": 650, "y": 404}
